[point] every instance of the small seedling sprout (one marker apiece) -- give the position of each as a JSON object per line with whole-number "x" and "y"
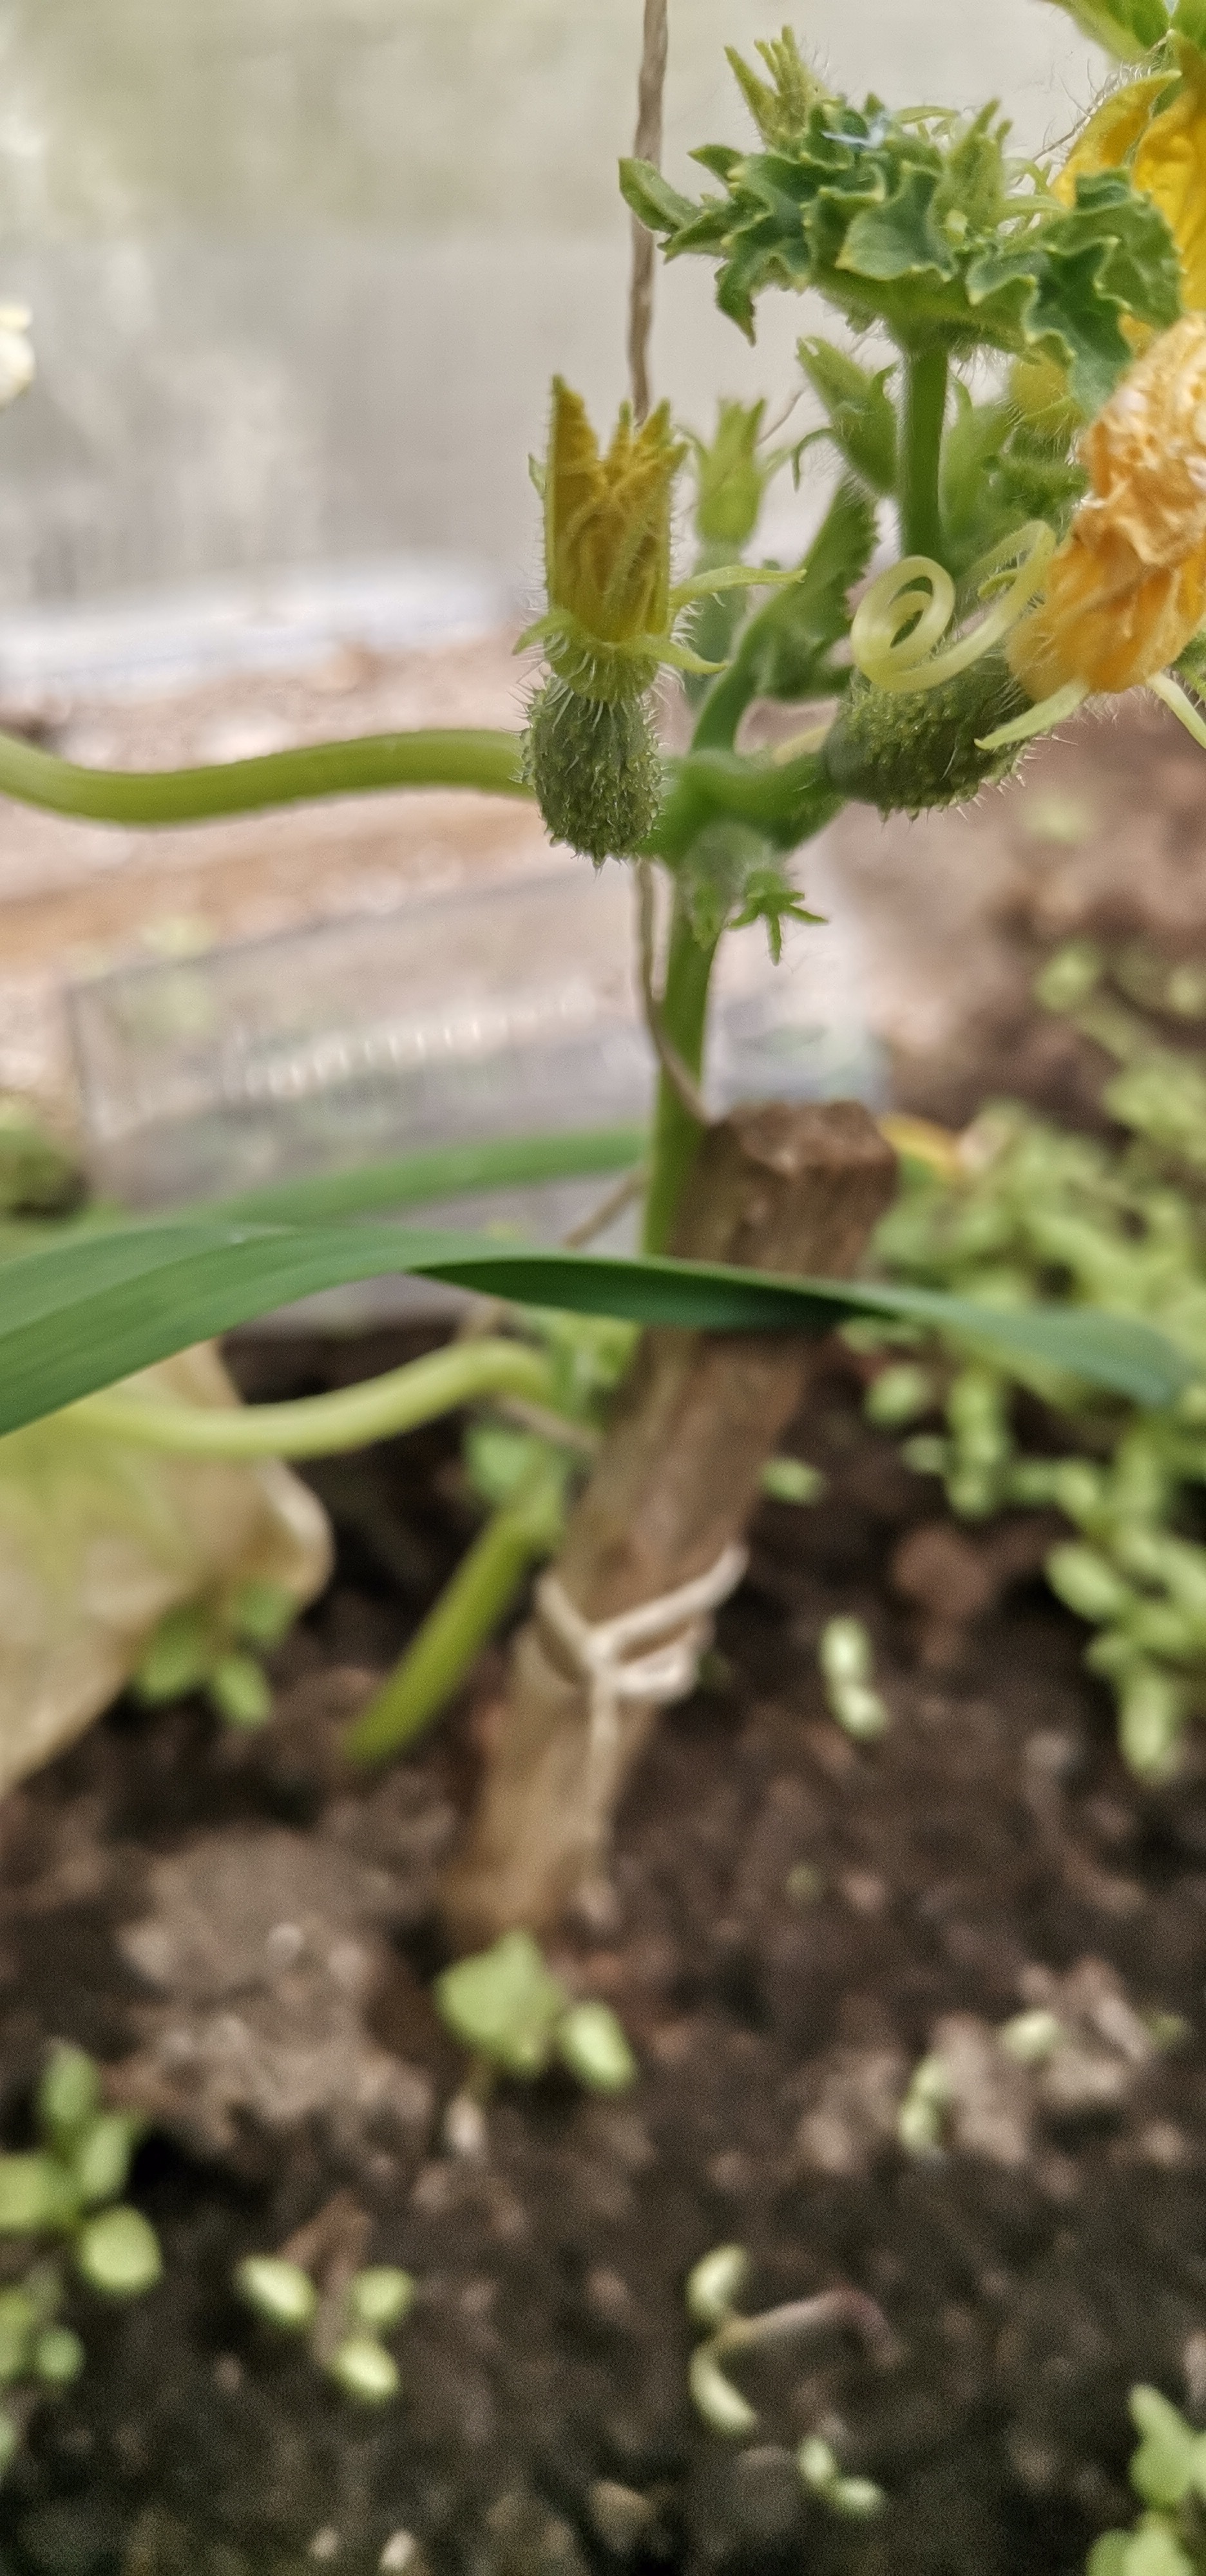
{"x": 900, "y": 1394}
{"x": 66, "y": 2190}
{"x": 792, "y": 1480}
{"x": 1032, "y": 2037}
{"x": 515, "y": 2017}
{"x": 591, "y": 2043}
{"x": 712, "y": 2289}
{"x": 58, "y": 2357}
{"x": 280, "y": 2292}
{"x": 820, "y": 2471}
{"x": 342, "y": 2320}
{"x": 1168, "y": 2473}
{"x": 365, "y": 2370}
{"x": 919, "y": 2121}
{"x": 216, "y": 1647}
{"x": 847, "y": 1661}
{"x": 118, "y": 2253}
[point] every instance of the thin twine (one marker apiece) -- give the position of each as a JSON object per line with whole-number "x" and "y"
{"x": 667, "y": 1671}
{"x": 647, "y": 146}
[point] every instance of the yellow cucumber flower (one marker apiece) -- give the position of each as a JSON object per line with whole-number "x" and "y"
{"x": 1126, "y": 591}
{"x": 1164, "y": 152}
{"x": 1110, "y": 609}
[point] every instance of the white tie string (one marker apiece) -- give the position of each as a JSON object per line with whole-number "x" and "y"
{"x": 612, "y": 1674}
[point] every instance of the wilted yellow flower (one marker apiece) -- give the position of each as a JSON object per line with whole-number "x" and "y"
{"x": 1164, "y": 152}
{"x": 1126, "y": 591}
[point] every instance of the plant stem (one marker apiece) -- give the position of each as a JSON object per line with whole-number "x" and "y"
{"x": 436, "y": 758}
{"x": 725, "y": 703}
{"x": 676, "y": 1134}
{"x": 318, "y": 1425}
{"x": 918, "y": 484}
{"x": 466, "y": 1614}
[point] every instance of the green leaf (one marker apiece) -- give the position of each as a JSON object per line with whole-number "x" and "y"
{"x": 1162, "y": 2470}
{"x": 381, "y": 2297}
{"x": 177, "y": 1656}
{"x": 902, "y": 238}
{"x": 240, "y": 1691}
{"x": 101, "y": 2163}
{"x": 651, "y": 198}
{"x": 118, "y": 2253}
{"x": 78, "y": 1315}
{"x": 68, "y": 2095}
{"x": 1155, "y": 2550}
{"x": 1077, "y": 277}
{"x": 35, "y": 2195}
{"x": 504, "y": 2004}
{"x": 1127, "y": 28}
{"x": 448, "y": 1171}
{"x": 1109, "y": 2556}
{"x": 910, "y": 222}
{"x": 1189, "y": 20}
{"x": 279, "y": 2291}
{"x": 499, "y": 1458}
{"x": 594, "y": 2046}
{"x": 861, "y": 416}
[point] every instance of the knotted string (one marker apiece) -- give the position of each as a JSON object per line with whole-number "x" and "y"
{"x": 602, "y": 1653}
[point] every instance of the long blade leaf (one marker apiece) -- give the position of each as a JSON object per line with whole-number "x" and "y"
{"x": 444, "y": 1172}
{"x": 75, "y": 1315}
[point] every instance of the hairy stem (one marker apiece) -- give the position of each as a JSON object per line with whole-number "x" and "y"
{"x": 316, "y": 1426}
{"x": 676, "y": 1133}
{"x": 467, "y": 1613}
{"x": 723, "y": 707}
{"x": 920, "y": 461}
{"x": 434, "y": 758}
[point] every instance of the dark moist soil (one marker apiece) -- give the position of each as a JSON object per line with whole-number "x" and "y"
{"x": 796, "y": 1921}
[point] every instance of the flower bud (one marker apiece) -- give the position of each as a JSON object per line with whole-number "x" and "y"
{"x": 607, "y": 547}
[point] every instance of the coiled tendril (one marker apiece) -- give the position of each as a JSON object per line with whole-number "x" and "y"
{"x": 898, "y": 630}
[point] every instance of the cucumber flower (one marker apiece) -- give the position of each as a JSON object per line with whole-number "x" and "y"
{"x": 1155, "y": 131}
{"x": 1126, "y": 591}
{"x": 1112, "y": 608}
{"x": 1163, "y": 150}
{"x": 610, "y": 622}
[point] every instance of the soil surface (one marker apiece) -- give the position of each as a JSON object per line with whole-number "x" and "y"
{"x": 245, "y": 1935}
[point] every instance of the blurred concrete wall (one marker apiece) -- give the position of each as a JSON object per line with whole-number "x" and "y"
{"x": 301, "y": 268}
